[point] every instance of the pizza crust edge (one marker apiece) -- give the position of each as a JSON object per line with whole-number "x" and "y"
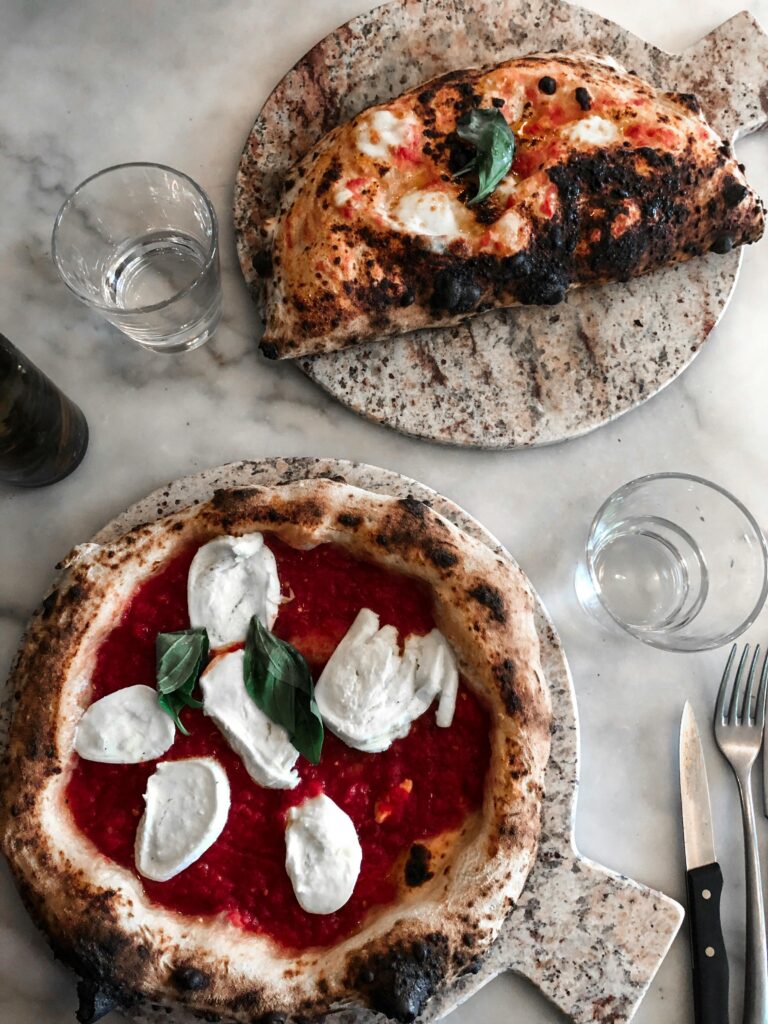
{"x": 138, "y": 956}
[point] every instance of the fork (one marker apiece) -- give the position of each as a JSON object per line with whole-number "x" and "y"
{"x": 739, "y": 735}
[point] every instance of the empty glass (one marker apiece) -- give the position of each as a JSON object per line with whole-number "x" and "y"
{"x": 139, "y": 243}
{"x": 676, "y": 561}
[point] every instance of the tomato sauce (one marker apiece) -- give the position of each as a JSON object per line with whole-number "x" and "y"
{"x": 425, "y": 784}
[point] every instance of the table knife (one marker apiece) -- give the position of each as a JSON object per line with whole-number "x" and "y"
{"x": 704, "y": 881}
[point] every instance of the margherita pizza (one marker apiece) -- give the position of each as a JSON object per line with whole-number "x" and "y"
{"x": 490, "y": 188}
{"x": 276, "y": 754}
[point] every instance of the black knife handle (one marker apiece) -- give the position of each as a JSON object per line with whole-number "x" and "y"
{"x": 710, "y": 963}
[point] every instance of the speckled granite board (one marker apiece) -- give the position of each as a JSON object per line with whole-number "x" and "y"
{"x": 527, "y": 376}
{"x": 590, "y": 939}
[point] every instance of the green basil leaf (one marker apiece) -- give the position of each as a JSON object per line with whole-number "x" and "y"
{"x": 180, "y": 658}
{"x": 279, "y": 681}
{"x": 494, "y": 142}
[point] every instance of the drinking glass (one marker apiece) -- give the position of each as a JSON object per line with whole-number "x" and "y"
{"x": 139, "y": 243}
{"x": 676, "y": 561}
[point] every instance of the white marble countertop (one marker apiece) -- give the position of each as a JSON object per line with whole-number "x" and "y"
{"x": 89, "y": 84}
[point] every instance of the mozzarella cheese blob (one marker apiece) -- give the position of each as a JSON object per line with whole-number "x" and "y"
{"x": 322, "y": 855}
{"x": 342, "y": 196}
{"x": 427, "y": 212}
{"x": 592, "y": 131}
{"x": 379, "y": 132}
{"x": 230, "y": 580}
{"x": 186, "y": 809}
{"x": 125, "y": 727}
{"x": 263, "y": 746}
{"x": 369, "y": 693}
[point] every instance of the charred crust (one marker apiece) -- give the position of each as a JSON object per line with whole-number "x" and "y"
{"x": 583, "y": 98}
{"x": 262, "y": 263}
{"x": 456, "y": 289}
{"x": 349, "y": 520}
{"x": 498, "y": 101}
{"x": 417, "y": 866}
{"x": 687, "y": 100}
{"x": 270, "y": 1018}
{"x": 504, "y": 672}
{"x": 413, "y": 506}
{"x": 440, "y": 556}
{"x": 490, "y": 598}
{"x": 190, "y": 979}
{"x": 402, "y": 981}
{"x": 722, "y": 244}
{"x": 49, "y": 603}
{"x": 269, "y": 350}
{"x": 94, "y": 1002}
{"x": 547, "y": 85}
{"x": 733, "y": 191}
{"x": 330, "y": 176}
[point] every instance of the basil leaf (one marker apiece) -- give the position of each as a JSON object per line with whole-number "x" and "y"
{"x": 279, "y": 681}
{"x": 180, "y": 658}
{"x": 494, "y": 141}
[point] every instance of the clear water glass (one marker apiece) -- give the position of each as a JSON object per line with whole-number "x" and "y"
{"x": 139, "y": 243}
{"x": 676, "y": 561}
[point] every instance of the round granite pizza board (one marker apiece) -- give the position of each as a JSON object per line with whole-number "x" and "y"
{"x": 530, "y": 375}
{"x": 590, "y": 939}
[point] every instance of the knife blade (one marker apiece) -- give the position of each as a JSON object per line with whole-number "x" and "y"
{"x": 704, "y": 881}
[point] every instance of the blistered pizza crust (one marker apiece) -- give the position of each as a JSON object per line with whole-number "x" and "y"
{"x": 138, "y": 956}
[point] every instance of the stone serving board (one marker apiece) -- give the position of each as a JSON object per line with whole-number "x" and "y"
{"x": 531, "y": 375}
{"x": 589, "y": 938}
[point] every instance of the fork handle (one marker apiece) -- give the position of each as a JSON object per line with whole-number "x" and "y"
{"x": 756, "y": 976}
{"x": 708, "y": 957}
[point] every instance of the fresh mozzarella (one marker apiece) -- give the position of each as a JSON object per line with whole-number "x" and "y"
{"x": 369, "y": 693}
{"x": 125, "y": 727}
{"x": 186, "y": 809}
{"x": 266, "y": 751}
{"x": 592, "y": 131}
{"x": 230, "y": 580}
{"x": 342, "y": 196}
{"x": 427, "y": 212}
{"x": 322, "y": 855}
{"x": 381, "y": 131}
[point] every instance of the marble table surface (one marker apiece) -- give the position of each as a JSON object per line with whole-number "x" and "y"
{"x": 100, "y": 82}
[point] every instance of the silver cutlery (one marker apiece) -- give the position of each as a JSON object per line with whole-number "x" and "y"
{"x": 739, "y": 723}
{"x": 704, "y": 881}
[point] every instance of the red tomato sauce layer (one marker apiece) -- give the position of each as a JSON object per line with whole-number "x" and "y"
{"x": 425, "y": 784}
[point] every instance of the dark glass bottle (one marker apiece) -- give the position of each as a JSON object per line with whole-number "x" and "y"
{"x": 43, "y": 435}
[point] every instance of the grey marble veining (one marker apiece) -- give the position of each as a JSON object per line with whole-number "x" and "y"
{"x": 94, "y": 83}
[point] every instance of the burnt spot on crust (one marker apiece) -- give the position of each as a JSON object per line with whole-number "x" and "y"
{"x": 504, "y": 672}
{"x": 413, "y": 506}
{"x": 49, "y": 603}
{"x": 456, "y": 289}
{"x": 687, "y": 100}
{"x": 491, "y": 599}
{"x": 417, "y": 866}
{"x": 94, "y": 1002}
{"x": 583, "y": 98}
{"x": 330, "y": 176}
{"x": 440, "y": 556}
{"x": 722, "y": 244}
{"x": 190, "y": 979}
{"x": 262, "y": 263}
{"x": 547, "y": 85}
{"x": 269, "y": 350}
{"x": 270, "y": 1018}
{"x": 733, "y": 191}
{"x": 400, "y": 982}
{"x": 349, "y": 520}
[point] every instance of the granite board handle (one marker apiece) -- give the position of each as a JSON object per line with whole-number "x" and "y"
{"x": 728, "y": 71}
{"x": 610, "y": 937}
